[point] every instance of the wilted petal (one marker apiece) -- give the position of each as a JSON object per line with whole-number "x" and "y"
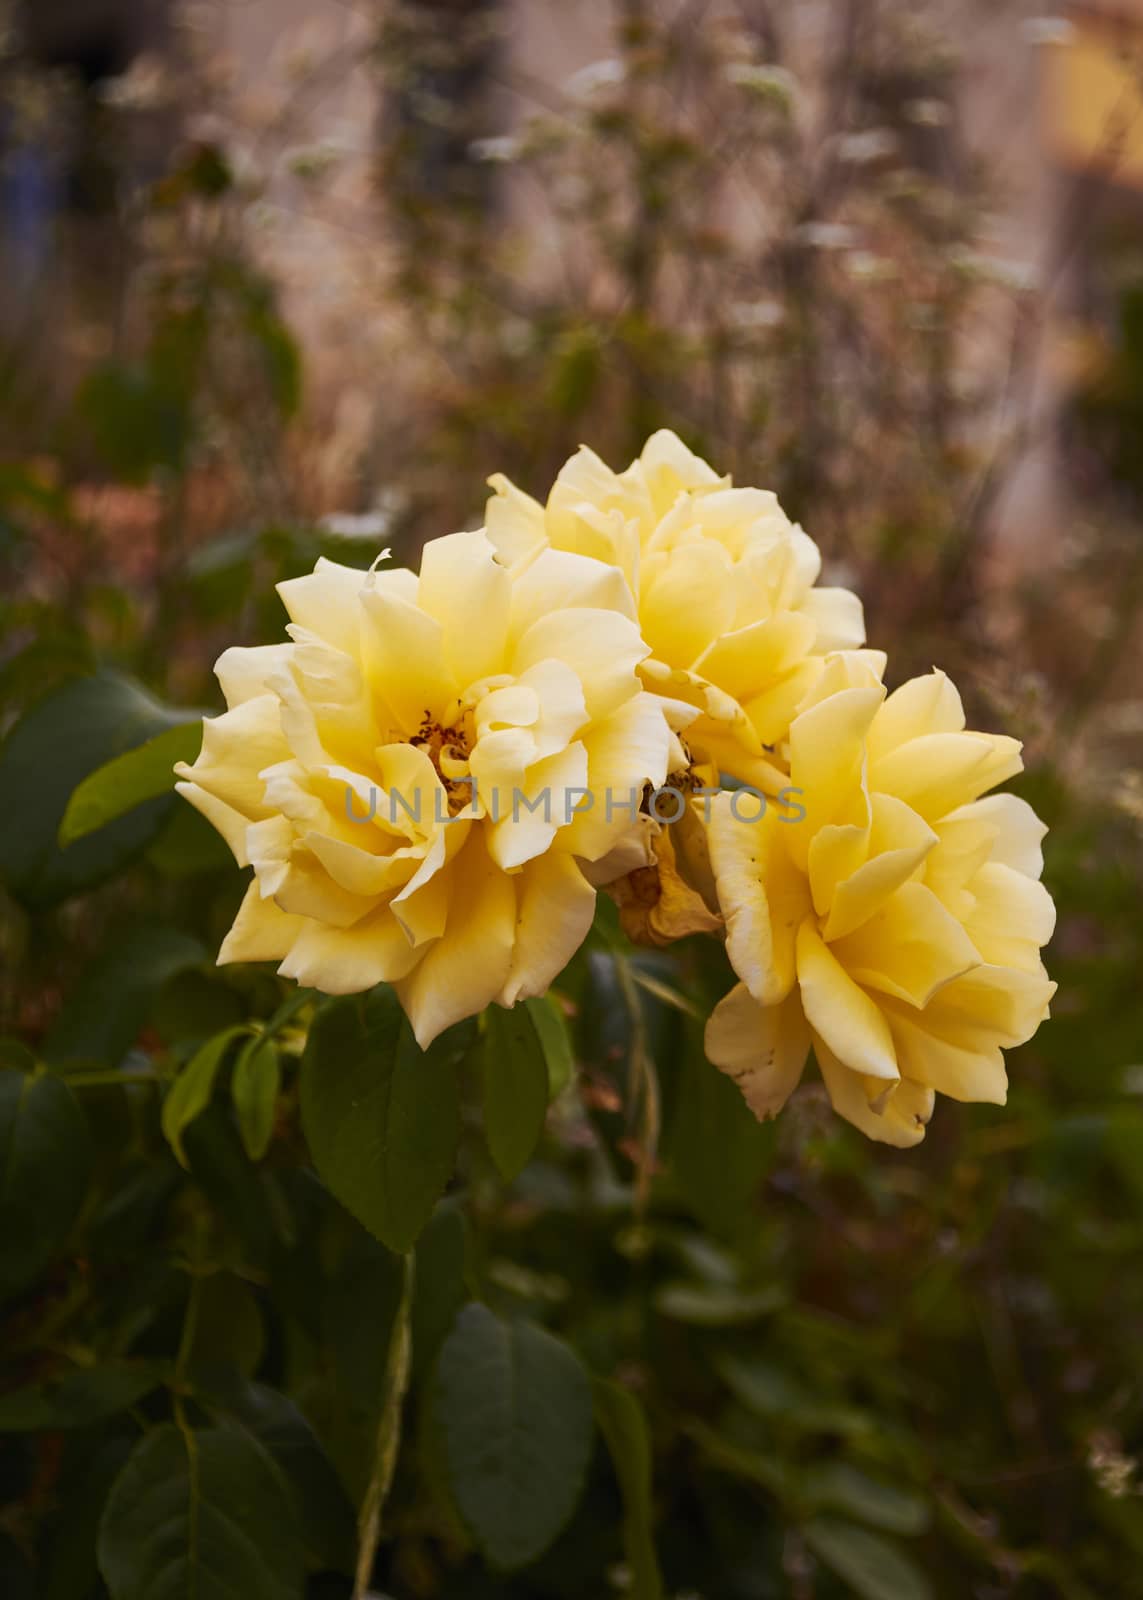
{"x": 763, "y": 1048}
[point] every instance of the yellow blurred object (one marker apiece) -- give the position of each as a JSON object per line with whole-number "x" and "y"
{"x": 1095, "y": 98}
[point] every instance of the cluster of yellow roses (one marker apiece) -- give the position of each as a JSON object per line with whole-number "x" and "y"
{"x": 436, "y": 772}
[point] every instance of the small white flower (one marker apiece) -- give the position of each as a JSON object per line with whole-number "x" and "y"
{"x": 599, "y": 75}
{"x": 144, "y": 86}
{"x": 927, "y": 113}
{"x": 772, "y": 83}
{"x": 1047, "y": 30}
{"x": 315, "y": 160}
{"x": 869, "y": 268}
{"x": 873, "y": 144}
{"x": 503, "y": 148}
{"x": 826, "y": 235}
{"x": 367, "y": 526}
{"x": 758, "y": 313}
{"x": 1020, "y": 277}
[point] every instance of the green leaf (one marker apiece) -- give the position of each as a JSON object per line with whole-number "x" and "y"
{"x": 837, "y": 1486}
{"x": 255, "y": 1085}
{"x": 871, "y": 1566}
{"x": 59, "y": 742}
{"x": 77, "y": 1398}
{"x": 438, "y": 1283}
{"x": 709, "y": 1305}
{"x": 741, "y": 1462}
{"x": 771, "y": 1392}
{"x": 324, "y": 1516}
{"x": 512, "y": 1406}
{"x": 555, "y": 1040}
{"x": 69, "y": 1570}
{"x": 624, "y": 1427}
{"x": 190, "y": 1095}
{"x": 236, "y": 1190}
{"x": 113, "y": 997}
{"x": 718, "y": 1152}
{"x": 382, "y": 1117}
{"x": 45, "y": 1158}
{"x": 514, "y": 1074}
{"x": 201, "y": 1513}
{"x": 228, "y": 1327}
{"x": 128, "y": 780}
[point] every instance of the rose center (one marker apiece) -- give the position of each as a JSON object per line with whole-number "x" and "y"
{"x": 448, "y": 749}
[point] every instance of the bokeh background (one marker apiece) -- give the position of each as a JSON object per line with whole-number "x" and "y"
{"x": 289, "y": 277}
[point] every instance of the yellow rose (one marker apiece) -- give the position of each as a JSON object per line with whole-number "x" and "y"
{"x": 896, "y": 928}
{"x": 723, "y": 582}
{"x": 417, "y": 776}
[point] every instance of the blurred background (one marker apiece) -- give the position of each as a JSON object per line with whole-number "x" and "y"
{"x": 289, "y": 277}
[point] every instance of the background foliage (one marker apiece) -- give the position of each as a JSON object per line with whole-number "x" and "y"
{"x": 635, "y": 1343}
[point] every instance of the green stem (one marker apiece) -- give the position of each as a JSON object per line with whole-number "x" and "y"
{"x": 100, "y": 1080}
{"x": 644, "y": 1084}
{"x": 388, "y": 1433}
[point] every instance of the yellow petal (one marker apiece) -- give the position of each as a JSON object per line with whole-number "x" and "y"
{"x": 686, "y": 600}
{"x": 827, "y": 761}
{"x": 762, "y": 897}
{"x": 327, "y": 602}
{"x": 469, "y": 594}
{"x": 359, "y": 870}
{"x": 587, "y": 485}
{"x": 750, "y": 660}
{"x": 924, "y": 705}
{"x": 469, "y": 965}
{"x": 838, "y": 617}
{"x": 939, "y": 772}
{"x": 513, "y": 521}
{"x": 1012, "y": 917}
{"x": 602, "y": 648}
{"x": 669, "y": 468}
{"x": 554, "y": 916}
{"x": 845, "y": 1017}
{"x": 990, "y": 1006}
{"x": 904, "y": 1111}
{"x": 532, "y": 814}
{"x": 837, "y": 852}
{"x": 772, "y": 711}
{"x": 235, "y": 748}
{"x": 562, "y": 712}
{"x": 558, "y": 579}
{"x": 1016, "y": 831}
{"x": 423, "y": 906}
{"x": 231, "y": 824}
{"x": 625, "y": 752}
{"x": 260, "y": 932}
{"x": 967, "y": 1073}
{"x": 349, "y": 960}
{"x": 242, "y": 672}
{"x": 899, "y": 842}
{"x": 910, "y": 947}
{"x": 404, "y": 654}
{"x": 763, "y": 1049}
{"x": 305, "y": 889}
